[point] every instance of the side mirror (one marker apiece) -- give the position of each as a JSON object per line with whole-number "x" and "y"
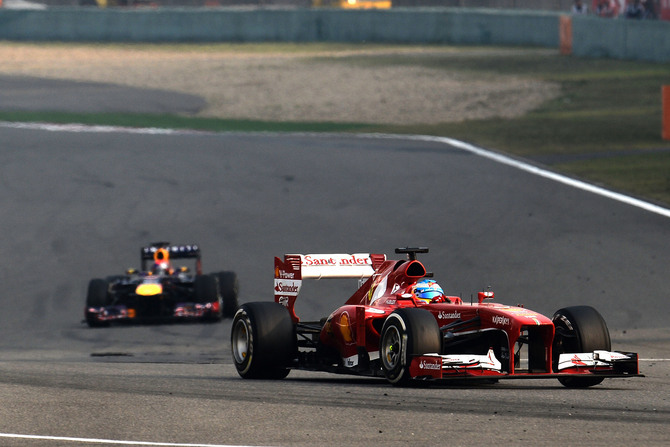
{"x": 488, "y": 295}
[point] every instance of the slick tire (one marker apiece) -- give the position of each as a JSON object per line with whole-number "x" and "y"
{"x": 228, "y": 290}
{"x": 205, "y": 289}
{"x": 406, "y": 333}
{"x": 97, "y": 295}
{"x": 579, "y": 329}
{"x": 263, "y": 341}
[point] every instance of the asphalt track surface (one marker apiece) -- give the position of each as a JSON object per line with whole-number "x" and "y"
{"x": 77, "y": 204}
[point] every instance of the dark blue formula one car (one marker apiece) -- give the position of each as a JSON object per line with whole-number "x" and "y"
{"x": 161, "y": 292}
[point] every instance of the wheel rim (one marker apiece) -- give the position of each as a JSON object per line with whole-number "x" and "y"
{"x": 565, "y": 340}
{"x": 240, "y": 342}
{"x": 391, "y": 354}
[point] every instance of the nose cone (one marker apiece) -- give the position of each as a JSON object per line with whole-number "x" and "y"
{"x": 149, "y": 289}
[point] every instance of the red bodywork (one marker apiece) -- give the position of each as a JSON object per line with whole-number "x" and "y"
{"x": 520, "y": 339}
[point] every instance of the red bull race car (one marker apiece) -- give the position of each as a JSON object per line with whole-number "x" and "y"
{"x": 400, "y": 325}
{"x": 161, "y": 292}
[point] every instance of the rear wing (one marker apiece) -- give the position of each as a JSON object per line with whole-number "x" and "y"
{"x": 290, "y": 272}
{"x": 169, "y": 251}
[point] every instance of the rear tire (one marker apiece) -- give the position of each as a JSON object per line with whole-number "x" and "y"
{"x": 406, "y": 333}
{"x": 579, "y": 329}
{"x": 97, "y": 295}
{"x": 263, "y": 341}
{"x": 229, "y": 290}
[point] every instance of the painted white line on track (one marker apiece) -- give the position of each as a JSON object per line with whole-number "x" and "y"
{"x": 503, "y": 159}
{"x": 499, "y": 158}
{"x": 82, "y": 128}
{"x": 107, "y": 441}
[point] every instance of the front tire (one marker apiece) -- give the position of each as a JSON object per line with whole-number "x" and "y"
{"x": 206, "y": 290}
{"x": 406, "y": 333}
{"x": 97, "y": 296}
{"x": 263, "y": 341}
{"x": 579, "y": 329}
{"x": 229, "y": 290}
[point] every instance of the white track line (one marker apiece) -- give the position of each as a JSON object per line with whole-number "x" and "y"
{"x": 503, "y": 159}
{"x": 108, "y": 441}
{"x": 499, "y": 158}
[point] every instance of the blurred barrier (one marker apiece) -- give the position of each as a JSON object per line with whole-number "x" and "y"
{"x": 587, "y": 36}
{"x": 432, "y": 25}
{"x": 621, "y": 38}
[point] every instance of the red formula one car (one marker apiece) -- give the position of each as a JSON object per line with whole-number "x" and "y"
{"x": 401, "y": 326}
{"x": 161, "y": 292}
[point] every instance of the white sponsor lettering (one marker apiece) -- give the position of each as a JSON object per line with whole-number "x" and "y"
{"x": 442, "y": 315}
{"x": 500, "y": 320}
{"x": 287, "y": 287}
{"x": 286, "y": 275}
{"x": 430, "y": 365}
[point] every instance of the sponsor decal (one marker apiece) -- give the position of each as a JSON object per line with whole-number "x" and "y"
{"x": 442, "y": 315}
{"x": 500, "y": 320}
{"x": 345, "y": 328}
{"x": 431, "y": 364}
{"x": 177, "y": 249}
{"x": 374, "y": 311}
{"x": 331, "y": 260}
{"x": 283, "y": 300}
{"x": 290, "y": 288}
{"x": 350, "y": 362}
{"x": 577, "y": 361}
{"x": 282, "y": 274}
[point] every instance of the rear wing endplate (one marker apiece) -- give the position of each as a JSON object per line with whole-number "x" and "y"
{"x": 290, "y": 272}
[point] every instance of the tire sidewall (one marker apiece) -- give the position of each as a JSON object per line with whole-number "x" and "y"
{"x": 242, "y": 321}
{"x": 271, "y": 340}
{"x": 97, "y": 295}
{"x": 393, "y": 325}
{"x": 229, "y": 291}
{"x": 591, "y": 334}
{"x": 418, "y": 333}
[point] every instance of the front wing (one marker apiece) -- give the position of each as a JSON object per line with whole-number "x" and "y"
{"x": 467, "y": 366}
{"x": 186, "y": 310}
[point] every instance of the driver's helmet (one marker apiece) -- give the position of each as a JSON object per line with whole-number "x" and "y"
{"x": 427, "y": 290}
{"x": 161, "y": 262}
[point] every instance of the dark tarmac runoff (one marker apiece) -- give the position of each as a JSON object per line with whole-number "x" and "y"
{"x": 24, "y": 93}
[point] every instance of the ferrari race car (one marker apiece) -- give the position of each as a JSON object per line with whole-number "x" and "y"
{"x": 162, "y": 292}
{"x": 401, "y": 326}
